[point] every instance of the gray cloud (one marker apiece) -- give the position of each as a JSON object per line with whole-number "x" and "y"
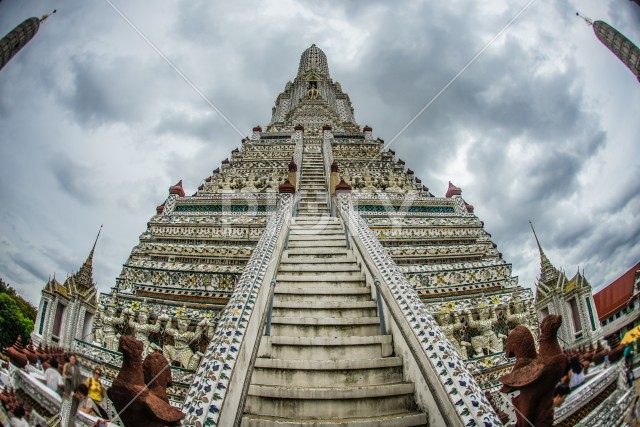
{"x": 73, "y": 179}
{"x": 96, "y": 126}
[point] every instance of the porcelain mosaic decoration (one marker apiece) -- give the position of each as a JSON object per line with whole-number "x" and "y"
{"x": 470, "y": 401}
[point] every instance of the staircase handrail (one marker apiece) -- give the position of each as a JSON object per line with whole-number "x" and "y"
{"x": 297, "y": 155}
{"x": 37, "y": 390}
{"x": 462, "y": 395}
{"x": 327, "y": 150}
{"x": 216, "y": 392}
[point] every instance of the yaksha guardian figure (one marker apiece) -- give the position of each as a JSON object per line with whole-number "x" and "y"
{"x": 98, "y": 332}
{"x": 110, "y": 322}
{"x": 486, "y": 342}
{"x": 180, "y": 350}
{"x": 450, "y": 325}
{"x": 520, "y": 317}
{"x": 142, "y": 329}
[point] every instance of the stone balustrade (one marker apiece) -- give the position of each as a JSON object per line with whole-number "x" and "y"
{"x": 225, "y": 364}
{"x": 465, "y": 398}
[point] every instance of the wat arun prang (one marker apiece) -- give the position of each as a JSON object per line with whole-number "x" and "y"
{"x": 180, "y": 276}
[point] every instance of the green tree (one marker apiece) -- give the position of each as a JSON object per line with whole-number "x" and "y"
{"x": 12, "y": 321}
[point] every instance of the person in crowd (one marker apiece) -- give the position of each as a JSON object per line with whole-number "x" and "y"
{"x": 97, "y": 391}
{"x": 576, "y": 373}
{"x": 85, "y": 404}
{"x": 634, "y": 411}
{"x": 629, "y": 374}
{"x": 53, "y": 378}
{"x": 628, "y": 354}
{"x": 559, "y": 394}
{"x": 72, "y": 375}
{"x": 18, "y": 418}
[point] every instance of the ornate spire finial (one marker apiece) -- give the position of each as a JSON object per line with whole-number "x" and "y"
{"x": 46, "y": 15}
{"x": 84, "y": 276}
{"x": 588, "y": 21}
{"x": 548, "y": 273}
{"x": 535, "y": 235}
{"x": 94, "y": 243}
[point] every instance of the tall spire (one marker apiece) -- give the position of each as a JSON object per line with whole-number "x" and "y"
{"x": 313, "y": 100}
{"x": 90, "y": 257}
{"x": 617, "y": 43}
{"x": 17, "y": 38}
{"x": 84, "y": 276}
{"x": 315, "y": 61}
{"x": 548, "y": 273}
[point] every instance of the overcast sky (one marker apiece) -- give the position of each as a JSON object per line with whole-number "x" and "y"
{"x": 95, "y": 126}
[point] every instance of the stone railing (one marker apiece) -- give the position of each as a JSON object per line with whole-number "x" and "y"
{"x": 601, "y": 400}
{"x": 217, "y": 391}
{"x": 327, "y": 153}
{"x": 38, "y": 391}
{"x": 82, "y": 419}
{"x": 251, "y": 200}
{"x": 297, "y": 155}
{"x": 453, "y": 389}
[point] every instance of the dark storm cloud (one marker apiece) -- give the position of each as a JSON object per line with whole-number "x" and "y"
{"x": 530, "y": 130}
{"x": 100, "y": 95}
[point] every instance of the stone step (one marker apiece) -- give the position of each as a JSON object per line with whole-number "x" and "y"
{"x": 313, "y": 226}
{"x": 308, "y": 306}
{"x": 314, "y": 197}
{"x": 340, "y": 258}
{"x": 317, "y": 251}
{"x": 328, "y": 297}
{"x": 315, "y": 243}
{"x": 298, "y": 293}
{"x": 329, "y": 402}
{"x": 404, "y": 419}
{"x": 325, "y": 326}
{"x": 307, "y": 276}
{"x": 324, "y": 229}
{"x": 320, "y": 267}
{"x": 327, "y": 373}
{"x": 310, "y": 223}
{"x": 313, "y": 203}
{"x": 319, "y": 238}
{"x": 330, "y": 348}
{"x": 319, "y": 234}
{"x": 317, "y": 260}
{"x": 324, "y": 218}
{"x": 295, "y": 282}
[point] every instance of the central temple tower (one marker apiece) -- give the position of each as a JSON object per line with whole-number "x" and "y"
{"x": 313, "y": 276}
{"x": 313, "y": 100}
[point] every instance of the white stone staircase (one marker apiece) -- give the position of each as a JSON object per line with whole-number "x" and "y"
{"x": 325, "y": 362}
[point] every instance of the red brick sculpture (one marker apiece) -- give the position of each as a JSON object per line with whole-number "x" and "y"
{"x": 535, "y": 375}
{"x": 136, "y": 404}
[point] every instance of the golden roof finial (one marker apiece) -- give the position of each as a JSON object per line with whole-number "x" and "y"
{"x": 588, "y": 21}
{"x": 46, "y": 15}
